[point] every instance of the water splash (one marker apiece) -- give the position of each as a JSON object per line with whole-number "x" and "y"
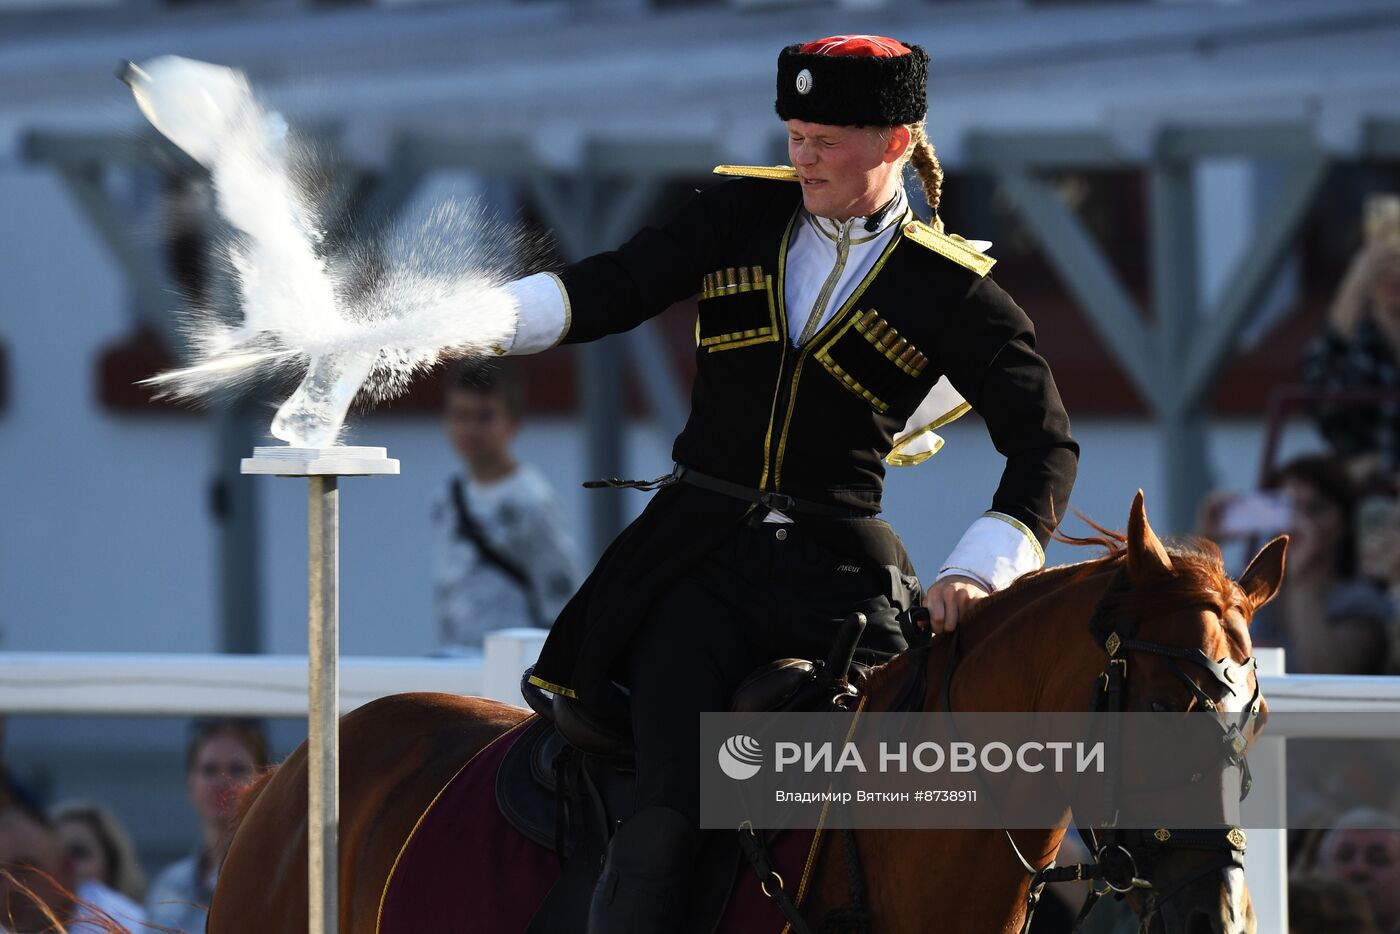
{"x": 435, "y": 293}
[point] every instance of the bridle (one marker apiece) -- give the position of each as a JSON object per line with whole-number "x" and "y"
{"x": 1116, "y": 850}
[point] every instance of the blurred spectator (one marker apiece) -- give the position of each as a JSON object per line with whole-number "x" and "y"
{"x": 1327, "y": 618}
{"x": 503, "y": 555}
{"x": 1363, "y": 849}
{"x": 1359, "y": 348}
{"x": 100, "y": 848}
{"x": 1378, "y": 552}
{"x": 1327, "y": 906}
{"x": 223, "y": 757}
{"x": 40, "y": 886}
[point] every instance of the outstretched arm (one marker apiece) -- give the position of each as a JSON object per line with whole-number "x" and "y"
{"x": 615, "y": 291}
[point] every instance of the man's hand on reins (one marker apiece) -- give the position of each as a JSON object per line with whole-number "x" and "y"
{"x": 948, "y": 601}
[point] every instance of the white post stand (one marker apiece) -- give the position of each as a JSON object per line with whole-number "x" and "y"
{"x": 508, "y": 652}
{"x": 323, "y": 467}
{"x": 1263, "y": 815}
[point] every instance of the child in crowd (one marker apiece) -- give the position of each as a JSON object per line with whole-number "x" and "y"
{"x": 503, "y": 555}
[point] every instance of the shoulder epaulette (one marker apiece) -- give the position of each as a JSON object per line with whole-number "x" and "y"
{"x": 949, "y": 246}
{"x": 774, "y": 173}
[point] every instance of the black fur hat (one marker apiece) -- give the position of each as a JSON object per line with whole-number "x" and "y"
{"x": 853, "y": 81}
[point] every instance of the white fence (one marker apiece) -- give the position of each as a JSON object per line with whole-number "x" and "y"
{"x": 135, "y": 684}
{"x": 69, "y": 683}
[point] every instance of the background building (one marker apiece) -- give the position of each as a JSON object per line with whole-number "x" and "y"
{"x": 1173, "y": 189}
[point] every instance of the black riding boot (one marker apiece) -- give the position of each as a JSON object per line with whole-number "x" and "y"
{"x": 646, "y": 877}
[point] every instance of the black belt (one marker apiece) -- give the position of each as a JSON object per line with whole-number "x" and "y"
{"x": 781, "y": 502}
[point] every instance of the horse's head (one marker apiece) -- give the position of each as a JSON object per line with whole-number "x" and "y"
{"x": 1175, "y": 630}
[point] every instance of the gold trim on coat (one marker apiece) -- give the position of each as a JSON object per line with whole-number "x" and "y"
{"x": 774, "y": 173}
{"x": 823, "y": 357}
{"x": 949, "y": 246}
{"x": 846, "y": 306}
{"x": 780, "y": 290}
{"x": 553, "y": 688}
{"x": 1020, "y": 527}
{"x": 747, "y": 338}
{"x": 896, "y": 459}
{"x": 895, "y": 349}
{"x": 568, "y": 310}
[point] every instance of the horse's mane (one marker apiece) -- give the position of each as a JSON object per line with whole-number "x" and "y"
{"x": 1198, "y": 575}
{"x": 95, "y": 918}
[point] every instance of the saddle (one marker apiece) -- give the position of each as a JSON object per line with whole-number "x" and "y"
{"x": 567, "y": 783}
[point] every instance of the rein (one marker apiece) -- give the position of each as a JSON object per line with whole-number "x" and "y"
{"x": 1114, "y": 863}
{"x": 855, "y": 917}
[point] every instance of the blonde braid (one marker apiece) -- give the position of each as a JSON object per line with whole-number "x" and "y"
{"x": 925, "y": 160}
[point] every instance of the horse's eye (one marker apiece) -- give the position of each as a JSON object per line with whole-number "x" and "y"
{"x": 1161, "y": 707}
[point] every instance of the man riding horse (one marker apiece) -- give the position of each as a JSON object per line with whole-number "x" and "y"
{"x": 836, "y": 332}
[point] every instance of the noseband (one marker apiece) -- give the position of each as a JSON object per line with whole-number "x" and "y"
{"x": 1117, "y": 850}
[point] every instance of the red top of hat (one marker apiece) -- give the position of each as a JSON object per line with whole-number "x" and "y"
{"x": 868, "y": 46}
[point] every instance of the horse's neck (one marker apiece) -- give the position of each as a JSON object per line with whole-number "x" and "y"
{"x": 1038, "y": 642}
{"x": 1008, "y": 646}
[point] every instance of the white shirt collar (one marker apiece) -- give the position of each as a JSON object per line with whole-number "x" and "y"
{"x": 887, "y": 217}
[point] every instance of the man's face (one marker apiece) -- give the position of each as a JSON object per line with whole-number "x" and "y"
{"x": 479, "y": 425}
{"x": 1370, "y": 860}
{"x": 221, "y": 769}
{"x": 844, "y": 171}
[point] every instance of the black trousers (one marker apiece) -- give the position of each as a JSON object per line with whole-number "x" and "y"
{"x": 771, "y": 591}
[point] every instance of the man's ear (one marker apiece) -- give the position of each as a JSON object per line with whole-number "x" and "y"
{"x": 897, "y": 143}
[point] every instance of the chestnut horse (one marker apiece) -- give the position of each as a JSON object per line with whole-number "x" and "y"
{"x": 398, "y": 752}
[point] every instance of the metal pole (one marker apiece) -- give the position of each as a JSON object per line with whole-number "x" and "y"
{"x": 323, "y": 467}
{"x": 1176, "y": 300}
{"x": 323, "y": 740}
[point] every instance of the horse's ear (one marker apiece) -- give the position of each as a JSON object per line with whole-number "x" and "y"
{"x": 1261, "y": 580}
{"x": 1147, "y": 556}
